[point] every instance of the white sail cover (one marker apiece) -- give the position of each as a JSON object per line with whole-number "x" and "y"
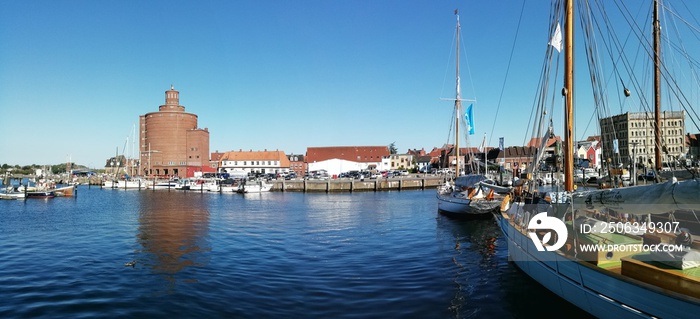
{"x": 471, "y": 180}
{"x": 647, "y": 199}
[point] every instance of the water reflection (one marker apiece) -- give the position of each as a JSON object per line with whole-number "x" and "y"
{"x": 475, "y": 243}
{"x": 174, "y": 234}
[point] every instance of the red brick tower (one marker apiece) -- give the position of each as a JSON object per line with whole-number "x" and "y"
{"x": 170, "y": 142}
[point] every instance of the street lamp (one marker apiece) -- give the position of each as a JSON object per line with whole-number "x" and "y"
{"x": 633, "y": 176}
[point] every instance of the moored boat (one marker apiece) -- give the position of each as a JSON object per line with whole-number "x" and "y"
{"x": 465, "y": 196}
{"x": 254, "y": 187}
{"x": 470, "y": 195}
{"x": 40, "y": 194}
{"x": 127, "y": 184}
{"x": 65, "y": 191}
{"x": 615, "y": 253}
{"x": 169, "y": 184}
{"x": 11, "y": 193}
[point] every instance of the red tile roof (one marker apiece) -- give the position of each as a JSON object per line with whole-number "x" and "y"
{"x": 257, "y": 156}
{"x": 550, "y": 142}
{"x": 349, "y": 153}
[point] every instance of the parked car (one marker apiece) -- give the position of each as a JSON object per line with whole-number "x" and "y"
{"x": 649, "y": 176}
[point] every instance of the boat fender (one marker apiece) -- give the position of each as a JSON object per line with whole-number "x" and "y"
{"x": 472, "y": 192}
{"x": 490, "y": 195}
{"x": 505, "y": 204}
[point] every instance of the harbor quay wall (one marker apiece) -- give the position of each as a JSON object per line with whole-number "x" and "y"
{"x": 349, "y": 185}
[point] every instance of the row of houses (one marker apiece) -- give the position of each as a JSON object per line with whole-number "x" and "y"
{"x": 171, "y": 143}
{"x": 340, "y": 159}
{"x": 333, "y": 160}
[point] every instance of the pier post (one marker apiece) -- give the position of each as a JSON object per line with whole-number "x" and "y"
{"x": 304, "y": 186}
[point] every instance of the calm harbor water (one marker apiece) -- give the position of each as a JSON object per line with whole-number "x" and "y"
{"x": 347, "y": 255}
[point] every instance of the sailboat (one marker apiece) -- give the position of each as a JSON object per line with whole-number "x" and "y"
{"x": 126, "y": 182}
{"x": 610, "y": 252}
{"x": 472, "y": 195}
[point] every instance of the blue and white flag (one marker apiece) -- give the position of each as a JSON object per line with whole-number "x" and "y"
{"x": 500, "y": 143}
{"x": 616, "y": 150}
{"x": 469, "y": 116}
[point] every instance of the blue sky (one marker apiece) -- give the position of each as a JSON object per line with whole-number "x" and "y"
{"x": 76, "y": 75}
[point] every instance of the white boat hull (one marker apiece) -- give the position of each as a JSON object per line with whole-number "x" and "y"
{"x": 122, "y": 184}
{"x": 255, "y": 188}
{"x": 165, "y": 185}
{"x": 597, "y": 291}
{"x": 12, "y": 195}
{"x": 459, "y": 204}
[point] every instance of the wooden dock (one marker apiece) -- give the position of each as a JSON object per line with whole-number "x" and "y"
{"x": 352, "y": 185}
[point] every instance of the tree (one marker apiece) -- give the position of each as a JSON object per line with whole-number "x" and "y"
{"x": 392, "y": 148}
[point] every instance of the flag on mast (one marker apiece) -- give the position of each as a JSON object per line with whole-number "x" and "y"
{"x": 469, "y": 116}
{"x": 556, "y": 39}
{"x": 500, "y": 143}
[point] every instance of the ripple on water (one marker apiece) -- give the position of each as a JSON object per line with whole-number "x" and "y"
{"x": 385, "y": 254}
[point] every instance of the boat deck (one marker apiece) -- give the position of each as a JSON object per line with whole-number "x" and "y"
{"x": 642, "y": 268}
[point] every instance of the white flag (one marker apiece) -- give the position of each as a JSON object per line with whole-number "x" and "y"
{"x": 556, "y": 39}
{"x": 483, "y": 144}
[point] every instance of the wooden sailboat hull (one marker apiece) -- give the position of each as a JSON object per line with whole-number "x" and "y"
{"x": 598, "y": 291}
{"x": 66, "y": 191}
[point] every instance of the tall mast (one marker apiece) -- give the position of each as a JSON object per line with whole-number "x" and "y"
{"x": 569, "y": 96}
{"x": 458, "y": 104}
{"x": 657, "y": 88}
